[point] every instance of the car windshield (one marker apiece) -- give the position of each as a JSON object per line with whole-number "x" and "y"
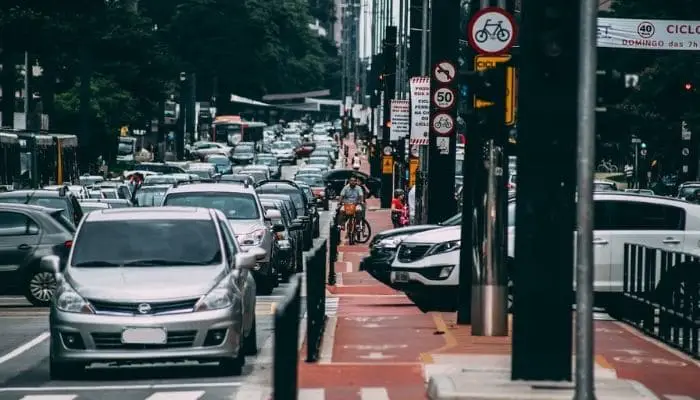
{"x": 87, "y": 207}
{"x": 146, "y": 243}
{"x": 159, "y": 180}
{"x": 150, "y": 197}
{"x": 243, "y": 151}
{"x": 687, "y": 191}
{"x": 281, "y": 145}
{"x": 267, "y": 161}
{"x": 233, "y": 205}
{"x": 318, "y": 161}
{"x": 218, "y": 160}
{"x": 62, "y": 220}
{"x": 311, "y": 180}
{"x": 297, "y": 197}
{"x": 453, "y": 220}
{"x": 202, "y": 173}
{"x": 48, "y": 202}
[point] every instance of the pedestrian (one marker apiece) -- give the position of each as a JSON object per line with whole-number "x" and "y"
{"x": 356, "y": 161}
{"x": 397, "y": 208}
{"x": 412, "y": 205}
{"x": 629, "y": 175}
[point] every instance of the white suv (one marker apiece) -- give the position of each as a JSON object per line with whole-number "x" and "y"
{"x": 423, "y": 259}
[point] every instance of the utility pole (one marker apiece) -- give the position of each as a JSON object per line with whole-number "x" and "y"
{"x": 442, "y": 137}
{"x": 548, "y": 118}
{"x": 356, "y": 24}
{"x": 389, "y": 91}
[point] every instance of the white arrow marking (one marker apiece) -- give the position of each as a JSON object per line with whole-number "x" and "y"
{"x": 370, "y": 319}
{"x": 371, "y": 326}
{"x": 633, "y": 352}
{"x": 376, "y": 356}
{"x": 368, "y": 347}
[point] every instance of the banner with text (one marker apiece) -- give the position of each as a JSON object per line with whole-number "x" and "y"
{"x": 420, "y": 110}
{"x": 399, "y": 119}
{"x": 651, "y": 34}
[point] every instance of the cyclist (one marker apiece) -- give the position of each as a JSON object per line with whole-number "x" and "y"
{"x": 352, "y": 193}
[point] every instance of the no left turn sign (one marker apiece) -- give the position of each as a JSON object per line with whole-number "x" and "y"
{"x": 444, "y": 98}
{"x": 492, "y": 30}
{"x": 444, "y": 72}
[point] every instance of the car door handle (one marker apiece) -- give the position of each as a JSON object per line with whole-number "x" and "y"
{"x": 24, "y": 247}
{"x": 600, "y": 241}
{"x": 670, "y": 241}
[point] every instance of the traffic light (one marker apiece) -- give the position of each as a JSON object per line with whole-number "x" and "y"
{"x": 689, "y": 87}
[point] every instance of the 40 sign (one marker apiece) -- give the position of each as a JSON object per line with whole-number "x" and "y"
{"x": 444, "y": 98}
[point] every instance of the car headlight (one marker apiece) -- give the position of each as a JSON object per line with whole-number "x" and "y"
{"x": 218, "y": 298}
{"x": 390, "y": 243}
{"x": 444, "y": 247}
{"x": 68, "y": 300}
{"x": 253, "y": 238}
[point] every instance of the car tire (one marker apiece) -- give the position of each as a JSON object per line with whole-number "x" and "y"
{"x": 233, "y": 366}
{"x": 250, "y": 343}
{"x": 40, "y": 288}
{"x": 60, "y": 371}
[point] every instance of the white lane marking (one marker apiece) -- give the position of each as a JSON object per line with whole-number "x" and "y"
{"x": 25, "y": 347}
{"x": 312, "y": 394}
{"x": 49, "y": 397}
{"x": 367, "y": 393}
{"x": 250, "y": 394}
{"x": 348, "y": 266}
{"x": 191, "y": 395}
{"x": 341, "y": 255}
{"x": 677, "y": 397}
{"x": 328, "y": 341}
{"x": 658, "y": 344}
{"x": 163, "y": 386}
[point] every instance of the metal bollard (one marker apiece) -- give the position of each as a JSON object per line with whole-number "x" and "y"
{"x": 333, "y": 253}
{"x": 489, "y": 286}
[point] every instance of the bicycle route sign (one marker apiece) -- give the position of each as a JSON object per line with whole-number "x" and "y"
{"x": 443, "y": 123}
{"x": 444, "y": 98}
{"x": 492, "y": 30}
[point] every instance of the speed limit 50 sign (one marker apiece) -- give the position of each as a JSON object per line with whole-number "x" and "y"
{"x": 444, "y": 98}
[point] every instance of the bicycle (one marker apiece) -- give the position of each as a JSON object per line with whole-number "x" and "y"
{"x": 500, "y": 33}
{"x": 358, "y": 229}
{"x": 606, "y": 166}
{"x": 443, "y": 123}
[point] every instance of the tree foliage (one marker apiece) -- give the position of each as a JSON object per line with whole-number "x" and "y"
{"x": 250, "y": 48}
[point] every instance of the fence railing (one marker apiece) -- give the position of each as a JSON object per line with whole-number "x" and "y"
{"x": 661, "y": 295}
{"x": 333, "y": 243}
{"x": 315, "y": 298}
{"x": 286, "y": 353}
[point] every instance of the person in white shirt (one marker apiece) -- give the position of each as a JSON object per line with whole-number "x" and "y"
{"x": 412, "y": 204}
{"x": 629, "y": 175}
{"x": 356, "y": 162}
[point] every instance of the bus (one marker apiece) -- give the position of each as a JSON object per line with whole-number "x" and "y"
{"x": 231, "y": 129}
{"x": 126, "y": 149}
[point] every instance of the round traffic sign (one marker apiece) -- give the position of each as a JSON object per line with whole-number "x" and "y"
{"x": 443, "y": 123}
{"x": 643, "y": 152}
{"x": 444, "y": 72}
{"x": 685, "y": 151}
{"x": 444, "y": 98}
{"x": 388, "y": 150}
{"x": 492, "y": 30}
{"x": 414, "y": 151}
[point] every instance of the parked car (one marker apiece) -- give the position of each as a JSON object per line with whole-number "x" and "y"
{"x": 297, "y": 195}
{"x": 318, "y": 188}
{"x": 153, "y": 285}
{"x": 312, "y": 207}
{"x": 270, "y": 161}
{"x": 286, "y": 242}
{"x": 63, "y": 200}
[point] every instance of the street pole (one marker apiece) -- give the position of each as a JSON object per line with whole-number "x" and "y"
{"x": 421, "y": 197}
{"x": 546, "y": 208}
{"x": 636, "y": 165}
{"x": 585, "y": 376}
{"x": 356, "y": 13}
{"x": 27, "y": 72}
{"x": 399, "y": 69}
{"x": 389, "y": 91}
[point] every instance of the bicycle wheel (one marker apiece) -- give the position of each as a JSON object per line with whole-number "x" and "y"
{"x": 601, "y": 168}
{"x": 481, "y": 36}
{"x": 613, "y": 168}
{"x": 503, "y": 35}
{"x": 364, "y": 232}
{"x": 351, "y": 231}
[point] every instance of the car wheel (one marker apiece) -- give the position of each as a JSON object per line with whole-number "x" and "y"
{"x": 59, "y": 371}
{"x": 233, "y": 366}
{"x": 40, "y": 288}
{"x": 250, "y": 343}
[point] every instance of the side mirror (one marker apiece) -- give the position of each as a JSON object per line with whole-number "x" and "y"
{"x": 273, "y": 214}
{"x": 245, "y": 260}
{"x": 257, "y": 253}
{"x": 276, "y": 228}
{"x": 50, "y": 264}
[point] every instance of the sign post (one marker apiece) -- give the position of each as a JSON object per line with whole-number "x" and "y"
{"x": 445, "y": 35}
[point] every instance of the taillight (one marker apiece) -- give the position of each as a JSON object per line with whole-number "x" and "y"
{"x": 280, "y": 235}
{"x": 68, "y": 244}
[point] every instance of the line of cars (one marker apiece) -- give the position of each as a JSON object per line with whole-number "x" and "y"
{"x": 424, "y": 260}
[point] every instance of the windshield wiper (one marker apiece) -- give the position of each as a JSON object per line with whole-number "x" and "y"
{"x": 96, "y": 263}
{"x": 159, "y": 262}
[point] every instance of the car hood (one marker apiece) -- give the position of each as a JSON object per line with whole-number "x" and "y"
{"x": 436, "y": 235}
{"x": 243, "y": 226}
{"x": 406, "y": 230}
{"x": 131, "y": 284}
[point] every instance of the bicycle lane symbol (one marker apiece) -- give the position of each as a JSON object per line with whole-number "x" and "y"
{"x": 492, "y": 31}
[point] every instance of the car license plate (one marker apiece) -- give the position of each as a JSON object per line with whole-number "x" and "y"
{"x": 144, "y": 336}
{"x": 401, "y": 277}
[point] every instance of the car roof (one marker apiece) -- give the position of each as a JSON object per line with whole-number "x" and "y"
{"x": 28, "y": 207}
{"x": 149, "y": 213}
{"x": 96, "y": 204}
{"x": 32, "y": 193}
{"x": 156, "y": 186}
{"x": 212, "y": 187}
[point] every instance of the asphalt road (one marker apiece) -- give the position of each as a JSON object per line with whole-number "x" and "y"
{"x": 24, "y": 362}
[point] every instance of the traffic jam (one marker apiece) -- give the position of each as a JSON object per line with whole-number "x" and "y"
{"x": 166, "y": 262}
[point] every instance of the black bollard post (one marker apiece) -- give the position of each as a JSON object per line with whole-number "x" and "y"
{"x": 333, "y": 253}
